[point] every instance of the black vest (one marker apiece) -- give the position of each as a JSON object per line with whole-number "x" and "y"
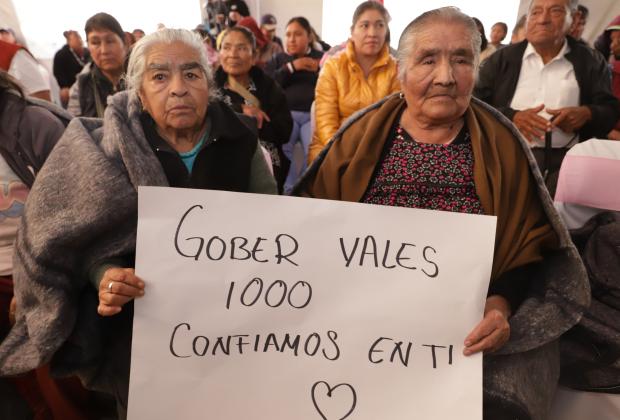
{"x": 223, "y": 162}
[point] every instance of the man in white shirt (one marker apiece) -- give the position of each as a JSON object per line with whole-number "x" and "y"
{"x": 550, "y": 83}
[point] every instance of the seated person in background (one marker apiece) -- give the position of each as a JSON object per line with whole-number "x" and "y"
{"x": 484, "y": 46}
{"x": 129, "y": 40}
{"x": 498, "y": 34}
{"x": 138, "y": 34}
{"x": 106, "y": 42}
{"x": 168, "y": 129}
{"x": 21, "y": 65}
{"x": 268, "y": 26}
{"x": 69, "y": 62}
{"x": 297, "y": 71}
{"x": 358, "y": 76}
{"x": 209, "y": 42}
{"x": 579, "y": 22}
{"x": 29, "y": 130}
{"x": 237, "y": 10}
{"x": 266, "y": 49}
{"x": 434, "y": 147}
{"x": 248, "y": 90}
{"x": 552, "y": 84}
{"x": 608, "y": 43}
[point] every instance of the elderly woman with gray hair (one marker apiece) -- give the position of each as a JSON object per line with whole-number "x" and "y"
{"x": 75, "y": 252}
{"x": 435, "y": 147}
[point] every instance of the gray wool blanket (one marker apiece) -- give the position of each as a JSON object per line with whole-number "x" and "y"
{"x": 591, "y": 350}
{"x": 520, "y": 380}
{"x": 88, "y": 184}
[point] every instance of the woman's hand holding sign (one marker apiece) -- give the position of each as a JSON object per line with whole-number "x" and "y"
{"x": 117, "y": 287}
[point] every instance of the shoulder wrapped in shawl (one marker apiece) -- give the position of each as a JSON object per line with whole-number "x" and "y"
{"x": 521, "y": 377}
{"x": 88, "y": 184}
{"x": 83, "y": 210}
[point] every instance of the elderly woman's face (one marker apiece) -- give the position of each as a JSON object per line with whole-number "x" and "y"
{"x": 440, "y": 73}
{"x": 369, "y": 32}
{"x": 174, "y": 88}
{"x": 236, "y": 55}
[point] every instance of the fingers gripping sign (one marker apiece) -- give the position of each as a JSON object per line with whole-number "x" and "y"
{"x": 117, "y": 287}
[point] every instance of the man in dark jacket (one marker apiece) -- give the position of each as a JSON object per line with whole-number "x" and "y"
{"x": 554, "y": 89}
{"x": 68, "y": 62}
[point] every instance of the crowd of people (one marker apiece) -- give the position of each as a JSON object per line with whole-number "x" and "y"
{"x": 450, "y": 121}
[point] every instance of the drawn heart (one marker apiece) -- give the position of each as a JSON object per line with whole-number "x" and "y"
{"x": 330, "y": 391}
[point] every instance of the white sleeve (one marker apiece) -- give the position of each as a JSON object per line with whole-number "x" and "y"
{"x": 26, "y": 70}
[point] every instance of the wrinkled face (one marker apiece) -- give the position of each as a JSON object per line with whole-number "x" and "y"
{"x": 368, "y": 33}
{"x": 174, "y": 88}
{"x": 236, "y": 55}
{"x": 615, "y": 44}
{"x": 440, "y": 73}
{"x": 497, "y": 34}
{"x": 107, "y": 50}
{"x": 297, "y": 39}
{"x": 547, "y": 22}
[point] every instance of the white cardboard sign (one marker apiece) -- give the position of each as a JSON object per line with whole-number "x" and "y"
{"x": 268, "y": 307}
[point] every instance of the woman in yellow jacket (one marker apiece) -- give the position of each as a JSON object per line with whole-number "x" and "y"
{"x": 356, "y": 77}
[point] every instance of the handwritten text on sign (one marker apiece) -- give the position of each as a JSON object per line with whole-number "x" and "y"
{"x": 264, "y": 307}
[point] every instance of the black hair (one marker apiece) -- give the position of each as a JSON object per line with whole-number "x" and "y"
{"x": 249, "y": 36}
{"x": 370, "y": 5}
{"x": 503, "y": 25}
{"x": 483, "y": 37}
{"x": 104, "y": 21}
{"x": 303, "y": 22}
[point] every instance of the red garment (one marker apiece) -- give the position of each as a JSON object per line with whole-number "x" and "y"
{"x": 426, "y": 176}
{"x": 7, "y": 52}
{"x": 250, "y": 23}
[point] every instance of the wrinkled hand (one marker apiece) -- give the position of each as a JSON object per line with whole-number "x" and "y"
{"x": 125, "y": 287}
{"x": 257, "y": 113}
{"x": 570, "y": 119}
{"x": 493, "y": 331}
{"x": 306, "y": 63}
{"x": 530, "y": 124}
{"x": 12, "y": 310}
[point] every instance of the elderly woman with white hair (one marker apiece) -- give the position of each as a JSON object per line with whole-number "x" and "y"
{"x": 435, "y": 147}
{"x": 75, "y": 252}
